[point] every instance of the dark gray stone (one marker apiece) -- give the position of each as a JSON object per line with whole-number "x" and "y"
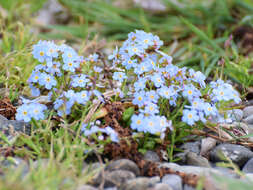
{"x": 95, "y": 168}
{"x": 188, "y": 187}
{"x": 12, "y": 127}
{"x": 194, "y": 160}
{"x": 191, "y": 147}
{"x": 139, "y": 183}
{"x": 151, "y": 156}
{"x": 162, "y": 186}
{"x": 117, "y": 177}
{"x": 123, "y": 164}
{"x": 237, "y": 153}
{"x": 248, "y": 167}
{"x": 174, "y": 181}
{"x": 86, "y": 187}
{"x": 247, "y": 111}
{"x": 248, "y": 120}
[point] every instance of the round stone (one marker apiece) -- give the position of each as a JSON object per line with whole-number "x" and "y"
{"x": 124, "y": 164}
{"x": 174, "y": 181}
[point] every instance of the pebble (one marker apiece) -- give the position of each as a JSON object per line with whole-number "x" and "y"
{"x": 207, "y": 144}
{"x": 248, "y": 167}
{"x": 123, "y": 164}
{"x": 248, "y": 120}
{"x": 227, "y": 172}
{"x": 191, "y": 169}
{"x": 195, "y": 160}
{"x": 12, "y": 127}
{"x": 151, "y": 156}
{"x": 247, "y": 111}
{"x": 86, "y": 187}
{"x": 117, "y": 177}
{"x": 139, "y": 183}
{"x": 188, "y": 187}
{"x": 161, "y": 186}
{"x": 174, "y": 181}
{"x": 237, "y": 153}
{"x": 191, "y": 147}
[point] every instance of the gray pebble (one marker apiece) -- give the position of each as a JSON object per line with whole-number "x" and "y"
{"x": 247, "y": 111}
{"x": 249, "y": 120}
{"x": 151, "y": 156}
{"x": 86, "y": 187}
{"x": 188, "y": 187}
{"x": 248, "y": 167}
{"x": 191, "y": 147}
{"x": 123, "y": 164}
{"x": 195, "y": 160}
{"x": 162, "y": 186}
{"x": 237, "y": 153}
{"x": 139, "y": 183}
{"x": 117, "y": 177}
{"x": 174, "y": 181}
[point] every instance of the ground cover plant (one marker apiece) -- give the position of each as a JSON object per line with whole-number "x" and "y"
{"x": 146, "y": 94}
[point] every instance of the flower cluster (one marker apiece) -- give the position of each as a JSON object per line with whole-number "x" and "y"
{"x": 159, "y": 81}
{"x": 94, "y": 129}
{"x": 155, "y": 85}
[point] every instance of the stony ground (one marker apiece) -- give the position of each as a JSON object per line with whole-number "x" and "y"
{"x": 198, "y": 159}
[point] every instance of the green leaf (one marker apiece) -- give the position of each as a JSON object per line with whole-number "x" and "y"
{"x": 128, "y": 114}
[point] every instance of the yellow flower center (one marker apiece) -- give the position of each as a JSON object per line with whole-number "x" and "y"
{"x": 41, "y": 53}
{"x": 70, "y": 64}
{"x": 146, "y": 41}
{"x": 189, "y": 115}
{"x": 48, "y": 79}
{"x": 24, "y": 112}
{"x": 190, "y": 92}
{"x": 139, "y": 98}
{"x": 138, "y": 122}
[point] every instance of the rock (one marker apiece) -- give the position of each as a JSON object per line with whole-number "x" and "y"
{"x": 191, "y": 147}
{"x": 52, "y": 13}
{"x": 12, "y": 127}
{"x": 111, "y": 188}
{"x": 247, "y": 111}
{"x": 195, "y": 160}
{"x": 95, "y": 168}
{"x": 248, "y": 167}
{"x": 117, "y": 177}
{"x": 227, "y": 172}
{"x": 139, "y": 183}
{"x": 161, "y": 186}
{"x": 236, "y": 114}
{"x": 123, "y": 164}
{"x": 188, "y": 187}
{"x": 151, "y": 156}
{"x": 86, "y": 187}
{"x": 248, "y": 120}
{"x": 174, "y": 181}
{"x": 237, "y": 153}
{"x": 206, "y": 145}
{"x": 191, "y": 169}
